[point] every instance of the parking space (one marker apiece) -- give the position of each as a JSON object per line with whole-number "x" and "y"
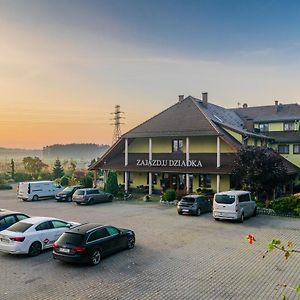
{"x": 176, "y": 257}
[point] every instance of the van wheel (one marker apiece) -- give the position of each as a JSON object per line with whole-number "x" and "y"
{"x": 241, "y": 219}
{"x": 35, "y": 198}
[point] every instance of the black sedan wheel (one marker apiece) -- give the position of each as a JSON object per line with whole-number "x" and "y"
{"x": 95, "y": 257}
{"x": 35, "y": 249}
{"x": 130, "y": 241}
{"x": 69, "y": 199}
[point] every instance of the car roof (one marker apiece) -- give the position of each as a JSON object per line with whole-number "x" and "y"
{"x": 192, "y": 196}
{"x": 84, "y": 228}
{"x": 233, "y": 193}
{"x": 6, "y": 212}
{"x": 41, "y": 181}
{"x": 37, "y": 220}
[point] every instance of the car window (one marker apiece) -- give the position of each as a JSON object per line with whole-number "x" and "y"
{"x": 225, "y": 199}
{"x": 96, "y": 191}
{"x": 21, "y": 217}
{"x": 97, "y": 234}
{"x": 44, "y": 226}
{"x": 188, "y": 199}
{"x": 244, "y": 198}
{"x": 79, "y": 192}
{"x": 2, "y": 222}
{"x": 202, "y": 200}
{"x": 9, "y": 220}
{"x": 71, "y": 238}
{"x": 59, "y": 224}
{"x": 112, "y": 230}
{"x": 19, "y": 227}
{"x": 89, "y": 192}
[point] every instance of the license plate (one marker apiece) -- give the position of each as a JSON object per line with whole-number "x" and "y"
{"x": 64, "y": 250}
{"x": 4, "y": 240}
{"x": 185, "y": 210}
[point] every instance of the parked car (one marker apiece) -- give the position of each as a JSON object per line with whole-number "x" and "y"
{"x": 32, "y": 235}
{"x": 91, "y": 196}
{"x": 88, "y": 243}
{"x": 35, "y": 190}
{"x": 67, "y": 193}
{"x": 194, "y": 205}
{"x": 8, "y": 218}
{"x": 234, "y": 205}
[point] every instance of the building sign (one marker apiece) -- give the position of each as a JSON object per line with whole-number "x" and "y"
{"x": 194, "y": 163}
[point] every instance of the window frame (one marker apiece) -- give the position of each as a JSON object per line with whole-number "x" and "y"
{"x": 294, "y": 152}
{"x": 286, "y": 124}
{"x": 179, "y": 149}
{"x": 283, "y": 152}
{"x": 263, "y": 127}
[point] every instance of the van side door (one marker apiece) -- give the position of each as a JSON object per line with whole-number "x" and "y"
{"x": 245, "y": 204}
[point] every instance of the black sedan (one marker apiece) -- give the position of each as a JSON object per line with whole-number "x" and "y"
{"x": 8, "y": 218}
{"x": 88, "y": 243}
{"x": 194, "y": 205}
{"x": 66, "y": 194}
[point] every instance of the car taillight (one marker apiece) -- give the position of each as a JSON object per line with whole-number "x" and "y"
{"x": 55, "y": 246}
{"x": 17, "y": 239}
{"x": 78, "y": 249}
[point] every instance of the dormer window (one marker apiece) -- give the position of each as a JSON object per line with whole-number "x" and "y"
{"x": 264, "y": 127}
{"x": 289, "y": 126}
{"x": 177, "y": 146}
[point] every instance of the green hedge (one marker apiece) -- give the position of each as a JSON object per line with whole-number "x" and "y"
{"x": 4, "y": 186}
{"x": 169, "y": 195}
{"x": 286, "y": 205}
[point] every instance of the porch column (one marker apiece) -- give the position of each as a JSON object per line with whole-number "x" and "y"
{"x": 126, "y": 164}
{"x": 218, "y": 162}
{"x": 95, "y": 178}
{"x": 150, "y": 158}
{"x": 187, "y": 157}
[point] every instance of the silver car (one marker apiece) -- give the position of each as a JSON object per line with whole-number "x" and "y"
{"x": 91, "y": 196}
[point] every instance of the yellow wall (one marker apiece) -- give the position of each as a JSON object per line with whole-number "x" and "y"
{"x": 236, "y": 135}
{"x": 276, "y": 126}
{"x": 164, "y": 145}
{"x": 293, "y": 158}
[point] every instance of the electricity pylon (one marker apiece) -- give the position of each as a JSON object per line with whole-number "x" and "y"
{"x": 117, "y": 116}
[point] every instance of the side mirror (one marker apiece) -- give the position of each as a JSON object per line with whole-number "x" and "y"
{"x": 68, "y": 225}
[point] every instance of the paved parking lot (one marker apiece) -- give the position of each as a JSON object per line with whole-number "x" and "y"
{"x": 176, "y": 257}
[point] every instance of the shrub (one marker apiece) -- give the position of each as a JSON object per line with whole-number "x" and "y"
{"x": 111, "y": 185}
{"x": 64, "y": 181}
{"x": 297, "y": 211}
{"x": 86, "y": 181}
{"x": 21, "y": 176}
{"x": 169, "y": 195}
{"x": 285, "y": 205}
{"x": 5, "y": 186}
{"x": 120, "y": 195}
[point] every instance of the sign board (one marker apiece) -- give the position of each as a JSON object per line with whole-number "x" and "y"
{"x": 194, "y": 163}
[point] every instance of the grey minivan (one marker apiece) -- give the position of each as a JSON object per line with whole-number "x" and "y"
{"x": 91, "y": 196}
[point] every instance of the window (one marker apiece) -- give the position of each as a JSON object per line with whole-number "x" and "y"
{"x": 97, "y": 235}
{"x": 244, "y": 198}
{"x": 59, "y": 224}
{"x": 21, "y": 217}
{"x": 44, "y": 226}
{"x": 204, "y": 181}
{"x": 177, "y": 146}
{"x": 289, "y": 126}
{"x": 9, "y": 220}
{"x": 20, "y": 227}
{"x": 225, "y": 199}
{"x": 264, "y": 127}
{"x": 112, "y": 230}
{"x": 154, "y": 178}
{"x": 296, "y": 148}
{"x": 283, "y": 149}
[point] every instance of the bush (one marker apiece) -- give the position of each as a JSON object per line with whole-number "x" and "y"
{"x": 169, "y": 195}
{"x": 111, "y": 185}
{"x": 285, "y": 205}
{"x": 21, "y": 176}
{"x": 120, "y": 195}
{"x": 86, "y": 181}
{"x": 4, "y": 186}
{"x": 64, "y": 181}
{"x": 297, "y": 211}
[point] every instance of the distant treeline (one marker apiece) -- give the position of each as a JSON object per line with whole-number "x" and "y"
{"x": 74, "y": 151}
{"x": 17, "y": 153}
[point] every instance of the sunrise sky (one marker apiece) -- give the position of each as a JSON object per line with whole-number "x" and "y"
{"x": 65, "y": 64}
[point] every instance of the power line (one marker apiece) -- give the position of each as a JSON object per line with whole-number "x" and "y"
{"x": 117, "y": 117}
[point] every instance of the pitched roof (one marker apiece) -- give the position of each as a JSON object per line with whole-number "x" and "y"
{"x": 284, "y": 136}
{"x": 183, "y": 118}
{"x": 269, "y": 113}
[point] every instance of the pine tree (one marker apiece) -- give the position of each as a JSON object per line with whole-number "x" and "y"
{"x": 58, "y": 170}
{"x": 12, "y": 170}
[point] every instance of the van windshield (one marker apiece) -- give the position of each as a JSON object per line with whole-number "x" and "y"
{"x": 225, "y": 199}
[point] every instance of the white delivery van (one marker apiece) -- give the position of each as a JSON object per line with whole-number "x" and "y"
{"x": 234, "y": 205}
{"x": 35, "y": 190}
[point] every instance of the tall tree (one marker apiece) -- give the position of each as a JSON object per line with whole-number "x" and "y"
{"x": 12, "y": 169}
{"x": 58, "y": 170}
{"x": 33, "y": 165}
{"x": 259, "y": 170}
{"x": 111, "y": 185}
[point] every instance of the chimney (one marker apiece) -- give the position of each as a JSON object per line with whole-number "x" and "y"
{"x": 180, "y": 98}
{"x": 204, "y": 99}
{"x": 245, "y": 105}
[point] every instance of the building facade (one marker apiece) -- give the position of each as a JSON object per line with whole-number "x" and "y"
{"x": 190, "y": 146}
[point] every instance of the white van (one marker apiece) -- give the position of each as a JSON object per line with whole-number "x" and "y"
{"x": 234, "y": 205}
{"x": 35, "y": 190}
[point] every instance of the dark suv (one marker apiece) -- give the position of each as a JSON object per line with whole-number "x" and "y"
{"x": 67, "y": 193}
{"x": 88, "y": 243}
{"x": 194, "y": 205}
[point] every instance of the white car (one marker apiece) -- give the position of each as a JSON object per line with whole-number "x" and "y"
{"x": 32, "y": 235}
